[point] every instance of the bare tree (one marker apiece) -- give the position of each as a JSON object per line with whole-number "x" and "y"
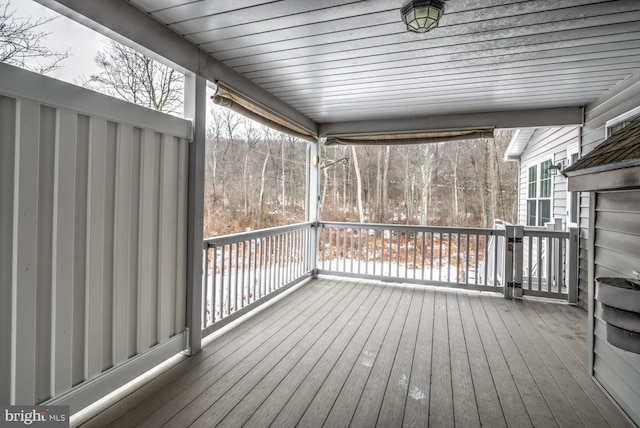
{"x": 427, "y": 166}
{"x": 356, "y": 167}
{"x": 127, "y": 74}
{"x": 269, "y": 139}
{"x": 251, "y": 138}
{"x": 21, "y": 42}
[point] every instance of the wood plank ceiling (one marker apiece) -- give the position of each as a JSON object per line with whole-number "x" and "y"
{"x": 346, "y": 60}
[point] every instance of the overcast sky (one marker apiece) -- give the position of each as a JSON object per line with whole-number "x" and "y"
{"x": 82, "y": 42}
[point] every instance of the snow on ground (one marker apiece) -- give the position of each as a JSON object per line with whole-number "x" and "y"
{"x": 240, "y": 287}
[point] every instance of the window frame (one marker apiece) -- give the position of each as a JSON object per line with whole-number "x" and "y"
{"x": 536, "y": 199}
{"x": 620, "y": 121}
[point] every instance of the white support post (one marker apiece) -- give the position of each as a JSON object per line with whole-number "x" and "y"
{"x": 311, "y": 209}
{"x": 572, "y": 265}
{"x": 549, "y": 260}
{"x": 195, "y": 89}
{"x": 518, "y": 261}
{"x": 557, "y": 259}
{"x": 508, "y": 262}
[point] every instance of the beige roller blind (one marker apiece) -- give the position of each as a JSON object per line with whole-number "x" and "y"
{"x": 420, "y": 137}
{"x": 239, "y": 103}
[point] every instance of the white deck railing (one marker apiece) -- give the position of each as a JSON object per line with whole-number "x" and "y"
{"x": 247, "y": 269}
{"x": 454, "y": 257}
{"x": 538, "y": 261}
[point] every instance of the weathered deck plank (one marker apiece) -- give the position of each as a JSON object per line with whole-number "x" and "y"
{"x": 441, "y": 412}
{"x": 251, "y": 395}
{"x": 368, "y": 408}
{"x": 510, "y": 401}
{"x": 487, "y": 398}
{"x": 550, "y": 384}
{"x": 465, "y": 404}
{"x": 395, "y": 396}
{"x": 357, "y": 353}
{"x": 352, "y": 387}
{"x": 533, "y": 399}
{"x": 337, "y": 359}
{"x": 302, "y": 382}
{"x": 417, "y": 408}
{"x": 250, "y": 366}
{"x": 580, "y": 390}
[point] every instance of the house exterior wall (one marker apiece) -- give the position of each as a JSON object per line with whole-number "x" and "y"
{"x": 616, "y": 254}
{"x": 547, "y": 143}
{"x": 614, "y": 220}
{"x": 617, "y": 101}
{"x": 93, "y": 233}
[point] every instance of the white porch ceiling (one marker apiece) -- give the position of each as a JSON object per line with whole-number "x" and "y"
{"x": 346, "y": 61}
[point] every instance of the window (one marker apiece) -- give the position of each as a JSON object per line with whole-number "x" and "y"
{"x": 621, "y": 121}
{"x": 539, "y": 194}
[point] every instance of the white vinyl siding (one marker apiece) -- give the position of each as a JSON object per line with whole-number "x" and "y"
{"x": 616, "y": 251}
{"x": 620, "y": 100}
{"x": 547, "y": 143}
{"x": 617, "y": 254}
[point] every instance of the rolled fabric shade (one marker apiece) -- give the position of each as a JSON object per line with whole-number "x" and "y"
{"x": 244, "y": 105}
{"x": 419, "y": 137}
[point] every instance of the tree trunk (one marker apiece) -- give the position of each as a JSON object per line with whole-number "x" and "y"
{"x": 345, "y": 203}
{"x": 335, "y": 182}
{"x": 481, "y": 152}
{"x": 385, "y": 184}
{"x": 324, "y": 190}
{"x": 284, "y": 193}
{"x": 244, "y": 183}
{"x": 262, "y": 185}
{"x": 455, "y": 186}
{"x": 378, "y": 202}
{"x": 426, "y": 175}
{"x": 359, "y": 184}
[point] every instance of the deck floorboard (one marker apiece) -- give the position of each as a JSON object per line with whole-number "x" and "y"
{"x": 338, "y": 353}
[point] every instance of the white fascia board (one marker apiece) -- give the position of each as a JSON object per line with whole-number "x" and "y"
{"x": 123, "y": 22}
{"x": 518, "y": 143}
{"x": 511, "y": 154}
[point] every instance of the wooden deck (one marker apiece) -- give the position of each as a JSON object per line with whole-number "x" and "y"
{"x": 356, "y": 353}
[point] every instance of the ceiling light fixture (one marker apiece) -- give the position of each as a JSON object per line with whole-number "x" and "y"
{"x": 423, "y": 15}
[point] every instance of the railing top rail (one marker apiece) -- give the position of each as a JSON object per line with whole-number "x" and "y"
{"x": 500, "y": 224}
{"x": 255, "y": 234}
{"x": 438, "y": 229}
{"x": 546, "y": 233}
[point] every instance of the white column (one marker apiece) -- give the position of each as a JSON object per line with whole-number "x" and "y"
{"x": 572, "y": 265}
{"x": 311, "y": 209}
{"x": 518, "y": 260}
{"x": 195, "y": 89}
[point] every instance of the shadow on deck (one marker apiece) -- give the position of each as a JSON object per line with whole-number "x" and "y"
{"x": 342, "y": 352}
